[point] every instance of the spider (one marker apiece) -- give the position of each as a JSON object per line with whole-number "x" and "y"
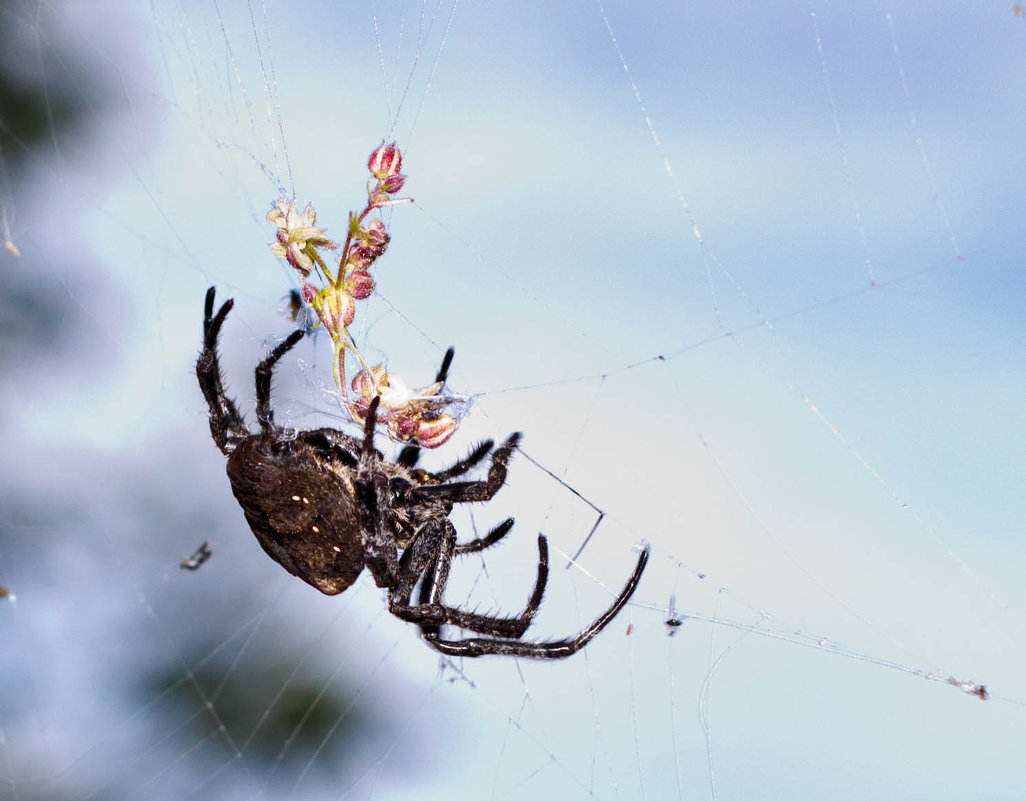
{"x": 324, "y": 505}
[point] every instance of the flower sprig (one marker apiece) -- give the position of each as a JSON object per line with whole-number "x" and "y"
{"x": 424, "y": 416}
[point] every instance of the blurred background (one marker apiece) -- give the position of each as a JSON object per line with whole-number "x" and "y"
{"x": 749, "y": 280}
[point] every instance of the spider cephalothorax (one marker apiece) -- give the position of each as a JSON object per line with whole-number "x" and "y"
{"x": 325, "y": 505}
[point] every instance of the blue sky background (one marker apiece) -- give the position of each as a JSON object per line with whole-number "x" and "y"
{"x": 747, "y": 277}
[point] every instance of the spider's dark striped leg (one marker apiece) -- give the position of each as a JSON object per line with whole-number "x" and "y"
{"x": 470, "y": 491}
{"x": 429, "y": 555}
{"x": 486, "y": 541}
{"x": 463, "y": 465}
{"x": 372, "y": 498}
{"x": 427, "y": 586}
{"x": 226, "y": 424}
{"x": 554, "y": 649}
{"x": 409, "y": 455}
{"x": 264, "y": 370}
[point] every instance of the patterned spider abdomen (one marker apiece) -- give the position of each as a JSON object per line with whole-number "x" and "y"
{"x": 302, "y": 513}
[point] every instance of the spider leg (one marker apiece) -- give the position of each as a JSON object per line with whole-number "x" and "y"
{"x": 553, "y": 649}
{"x": 463, "y": 465}
{"x": 488, "y": 540}
{"x": 372, "y": 496}
{"x": 226, "y": 424}
{"x": 409, "y": 455}
{"x": 264, "y": 370}
{"x": 429, "y": 555}
{"x": 469, "y": 491}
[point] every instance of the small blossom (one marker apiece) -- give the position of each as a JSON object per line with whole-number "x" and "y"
{"x": 410, "y": 415}
{"x": 393, "y": 184}
{"x": 375, "y": 235}
{"x": 335, "y": 309}
{"x": 403, "y": 429}
{"x": 298, "y": 236}
{"x": 360, "y": 284}
{"x": 432, "y": 433}
{"x": 366, "y": 385}
{"x": 385, "y": 161}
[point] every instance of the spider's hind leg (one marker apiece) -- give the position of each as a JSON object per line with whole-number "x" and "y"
{"x": 550, "y": 649}
{"x": 429, "y": 558}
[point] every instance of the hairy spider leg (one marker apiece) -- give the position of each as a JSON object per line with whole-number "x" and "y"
{"x": 553, "y": 649}
{"x": 473, "y": 491}
{"x": 480, "y": 451}
{"x": 488, "y": 540}
{"x": 429, "y": 556}
{"x": 227, "y": 426}
{"x": 432, "y": 547}
{"x": 264, "y": 371}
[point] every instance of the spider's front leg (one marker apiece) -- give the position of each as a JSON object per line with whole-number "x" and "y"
{"x": 372, "y": 503}
{"x": 226, "y": 424}
{"x": 411, "y": 453}
{"x": 471, "y": 491}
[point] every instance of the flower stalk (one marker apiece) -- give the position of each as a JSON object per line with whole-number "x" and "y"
{"x": 424, "y": 416}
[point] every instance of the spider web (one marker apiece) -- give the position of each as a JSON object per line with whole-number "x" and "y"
{"x": 746, "y": 278}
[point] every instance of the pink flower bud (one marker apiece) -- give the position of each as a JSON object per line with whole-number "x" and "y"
{"x": 432, "y": 433}
{"x": 385, "y": 161}
{"x": 335, "y": 309}
{"x": 393, "y": 183}
{"x": 359, "y": 408}
{"x": 375, "y": 234}
{"x": 309, "y": 293}
{"x": 360, "y": 284}
{"x": 359, "y": 259}
{"x": 361, "y": 383}
{"x": 366, "y": 385}
{"x": 403, "y": 428}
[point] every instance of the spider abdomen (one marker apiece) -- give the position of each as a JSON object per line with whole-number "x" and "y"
{"x": 302, "y": 514}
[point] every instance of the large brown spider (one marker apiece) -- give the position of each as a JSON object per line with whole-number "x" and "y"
{"x": 323, "y": 505}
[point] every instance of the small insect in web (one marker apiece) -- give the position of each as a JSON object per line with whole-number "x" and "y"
{"x": 324, "y": 505}
{"x": 673, "y": 622}
{"x": 199, "y": 556}
{"x": 298, "y": 312}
